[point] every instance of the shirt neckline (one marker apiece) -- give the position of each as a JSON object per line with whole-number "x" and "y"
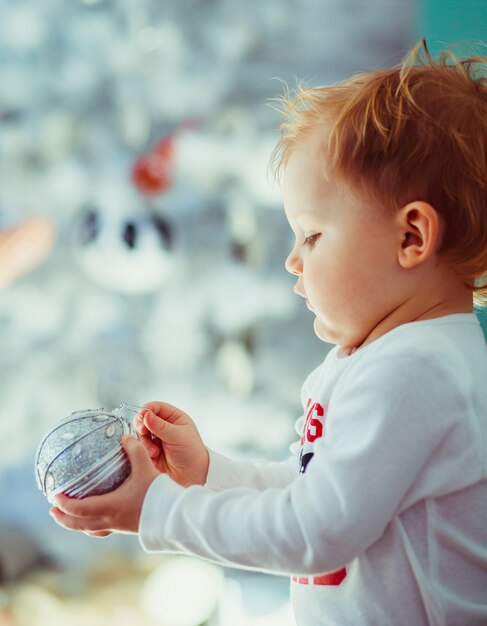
{"x": 469, "y": 318}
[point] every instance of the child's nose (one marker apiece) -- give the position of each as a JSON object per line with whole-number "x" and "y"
{"x": 293, "y": 264}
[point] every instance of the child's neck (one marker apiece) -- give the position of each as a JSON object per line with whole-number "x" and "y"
{"x": 420, "y": 307}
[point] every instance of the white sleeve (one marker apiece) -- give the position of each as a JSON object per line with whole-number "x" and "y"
{"x": 225, "y": 473}
{"x": 384, "y": 426}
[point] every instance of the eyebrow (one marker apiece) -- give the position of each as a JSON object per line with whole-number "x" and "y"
{"x": 311, "y": 215}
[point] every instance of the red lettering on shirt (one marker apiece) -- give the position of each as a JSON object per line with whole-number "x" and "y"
{"x": 313, "y": 426}
{"x": 308, "y": 415}
{"x": 330, "y": 579}
{"x": 314, "y": 429}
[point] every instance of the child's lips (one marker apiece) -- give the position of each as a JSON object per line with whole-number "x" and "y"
{"x": 296, "y": 291}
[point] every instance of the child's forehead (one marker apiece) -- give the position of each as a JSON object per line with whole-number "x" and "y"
{"x": 313, "y": 144}
{"x": 308, "y": 172}
{"x": 309, "y": 160}
{"x": 311, "y": 197}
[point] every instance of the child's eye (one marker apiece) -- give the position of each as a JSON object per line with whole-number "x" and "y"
{"x": 310, "y": 240}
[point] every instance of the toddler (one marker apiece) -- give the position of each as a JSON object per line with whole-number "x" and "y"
{"x": 380, "y": 515}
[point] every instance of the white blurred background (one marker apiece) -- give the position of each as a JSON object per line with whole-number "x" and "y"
{"x": 142, "y": 244}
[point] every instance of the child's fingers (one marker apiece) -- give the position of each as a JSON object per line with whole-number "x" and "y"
{"x": 92, "y": 524}
{"x": 165, "y": 411}
{"x": 163, "y": 430}
{"x": 151, "y": 443}
{"x": 93, "y": 506}
{"x": 152, "y": 448}
{"x": 139, "y": 426}
{"x": 137, "y": 453}
{"x": 146, "y": 437}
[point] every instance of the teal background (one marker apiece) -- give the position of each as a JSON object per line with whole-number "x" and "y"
{"x": 462, "y": 27}
{"x": 482, "y": 315}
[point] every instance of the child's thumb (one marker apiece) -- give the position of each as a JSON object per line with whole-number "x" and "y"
{"x": 135, "y": 450}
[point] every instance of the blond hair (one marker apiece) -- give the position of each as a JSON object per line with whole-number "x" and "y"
{"x": 417, "y": 131}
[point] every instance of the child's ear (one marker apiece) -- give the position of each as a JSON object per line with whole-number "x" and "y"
{"x": 419, "y": 228}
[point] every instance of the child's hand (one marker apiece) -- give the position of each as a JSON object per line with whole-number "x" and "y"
{"x": 173, "y": 442}
{"x": 118, "y": 510}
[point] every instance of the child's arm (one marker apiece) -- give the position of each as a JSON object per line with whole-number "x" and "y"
{"x": 387, "y": 447}
{"x": 121, "y": 509}
{"x": 227, "y": 473}
{"x": 397, "y": 433}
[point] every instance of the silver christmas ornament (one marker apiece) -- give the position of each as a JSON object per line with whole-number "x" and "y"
{"x": 82, "y": 455}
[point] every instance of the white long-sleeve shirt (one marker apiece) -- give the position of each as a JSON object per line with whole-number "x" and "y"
{"x": 380, "y": 516}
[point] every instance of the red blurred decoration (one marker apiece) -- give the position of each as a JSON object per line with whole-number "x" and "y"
{"x": 152, "y": 173}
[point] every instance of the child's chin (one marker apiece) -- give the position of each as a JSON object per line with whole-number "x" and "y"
{"x": 325, "y": 333}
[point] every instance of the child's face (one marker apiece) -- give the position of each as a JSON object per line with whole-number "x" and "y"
{"x": 345, "y": 252}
